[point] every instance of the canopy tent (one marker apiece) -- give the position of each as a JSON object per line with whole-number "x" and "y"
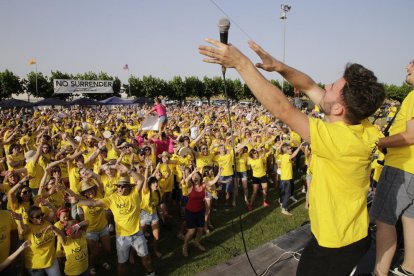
{"x": 10, "y": 103}
{"x": 84, "y": 102}
{"x": 51, "y": 101}
{"x": 114, "y": 100}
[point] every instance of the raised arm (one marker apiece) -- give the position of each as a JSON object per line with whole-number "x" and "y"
{"x": 297, "y": 78}
{"x": 269, "y": 95}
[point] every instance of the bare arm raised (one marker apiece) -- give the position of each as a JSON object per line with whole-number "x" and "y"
{"x": 269, "y": 95}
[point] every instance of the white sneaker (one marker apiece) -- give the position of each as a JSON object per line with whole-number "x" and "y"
{"x": 293, "y": 199}
{"x": 286, "y": 212}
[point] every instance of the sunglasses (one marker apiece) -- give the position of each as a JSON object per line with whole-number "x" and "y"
{"x": 25, "y": 192}
{"x": 203, "y": 148}
{"x": 55, "y": 170}
{"x": 40, "y": 216}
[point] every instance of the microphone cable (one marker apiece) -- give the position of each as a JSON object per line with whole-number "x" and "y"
{"x": 223, "y": 71}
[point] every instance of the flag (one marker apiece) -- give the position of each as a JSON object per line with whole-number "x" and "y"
{"x": 32, "y": 61}
{"x": 126, "y": 67}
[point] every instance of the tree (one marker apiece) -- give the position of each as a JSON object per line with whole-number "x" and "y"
{"x": 193, "y": 86}
{"x": 9, "y": 84}
{"x": 178, "y": 89}
{"x": 137, "y": 87}
{"x": 153, "y": 87}
{"x": 397, "y": 92}
{"x": 44, "y": 87}
{"x": 212, "y": 87}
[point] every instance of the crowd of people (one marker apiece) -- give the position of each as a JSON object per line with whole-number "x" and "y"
{"x": 74, "y": 176}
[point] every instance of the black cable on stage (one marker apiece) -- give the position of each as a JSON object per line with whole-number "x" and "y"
{"x": 223, "y": 71}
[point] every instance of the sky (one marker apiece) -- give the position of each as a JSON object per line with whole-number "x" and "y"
{"x": 160, "y": 38}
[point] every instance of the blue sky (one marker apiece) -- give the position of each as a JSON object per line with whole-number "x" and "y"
{"x": 161, "y": 37}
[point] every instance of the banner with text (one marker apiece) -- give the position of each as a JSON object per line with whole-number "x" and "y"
{"x": 82, "y": 86}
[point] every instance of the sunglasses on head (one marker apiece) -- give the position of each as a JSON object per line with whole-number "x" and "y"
{"x": 39, "y": 216}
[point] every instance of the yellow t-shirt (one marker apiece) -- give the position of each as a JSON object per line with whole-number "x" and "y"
{"x": 258, "y": 166}
{"x": 241, "y": 162}
{"x": 126, "y": 210}
{"x": 76, "y": 251}
{"x": 225, "y": 162}
{"x": 341, "y": 156}
{"x": 36, "y": 171}
{"x": 109, "y": 183}
{"x": 96, "y": 217}
{"x": 286, "y": 167}
{"x": 204, "y": 160}
{"x": 41, "y": 253}
{"x": 150, "y": 201}
{"x": 7, "y": 224}
{"x": 402, "y": 157}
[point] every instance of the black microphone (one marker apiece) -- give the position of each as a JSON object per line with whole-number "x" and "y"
{"x": 224, "y": 26}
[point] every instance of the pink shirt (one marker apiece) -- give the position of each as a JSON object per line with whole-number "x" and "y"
{"x": 161, "y": 110}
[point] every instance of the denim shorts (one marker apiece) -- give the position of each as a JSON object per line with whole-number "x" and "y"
{"x": 97, "y": 235}
{"x": 146, "y": 218}
{"x": 163, "y": 119}
{"x": 227, "y": 182}
{"x": 241, "y": 175}
{"x": 394, "y": 196}
{"x": 124, "y": 243}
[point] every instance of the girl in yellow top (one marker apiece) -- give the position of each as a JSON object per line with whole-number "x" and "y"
{"x": 15, "y": 157}
{"x": 75, "y": 247}
{"x": 211, "y": 192}
{"x": 151, "y": 199}
{"x": 257, "y": 161}
{"x": 97, "y": 234}
{"x": 40, "y": 256}
{"x": 286, "y": 176}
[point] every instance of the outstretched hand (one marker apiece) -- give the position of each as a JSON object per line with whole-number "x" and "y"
{"x": 268, "y": 63}
{"x": 226, "y": 55}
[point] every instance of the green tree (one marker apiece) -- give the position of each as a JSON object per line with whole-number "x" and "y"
{"x": 137, "y": 87}
{"x": 44, "y": 86}
{"x": 193, "y": 86}
{"x": 397, "y": 92}
{"x": 178, "y": 89}
{"x": 9, "y": 84}
{"x": 152, "y": 86}
{"x": 212, "y": 87}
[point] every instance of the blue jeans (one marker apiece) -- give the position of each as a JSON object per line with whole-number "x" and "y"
{"x": 285, "y": 193}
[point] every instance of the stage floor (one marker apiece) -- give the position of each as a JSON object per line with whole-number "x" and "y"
{"x": 264, "y": 256}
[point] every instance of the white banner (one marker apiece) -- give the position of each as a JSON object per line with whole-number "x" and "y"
{"x": 82, "y": 86}
{"x": 150, "y": 123}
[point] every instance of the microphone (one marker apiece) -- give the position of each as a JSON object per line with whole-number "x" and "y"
{"x": 224, "y": 26}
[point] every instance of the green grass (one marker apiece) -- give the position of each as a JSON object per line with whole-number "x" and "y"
{"x": 260, "y": 226}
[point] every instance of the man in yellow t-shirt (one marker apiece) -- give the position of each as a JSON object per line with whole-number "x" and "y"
{"x": 342, "y": 149}
{"x": 394, "y": 197}
{"x": 125, "y": 205}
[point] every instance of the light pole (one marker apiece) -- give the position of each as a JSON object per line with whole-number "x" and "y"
{"x": 283, "y": 15}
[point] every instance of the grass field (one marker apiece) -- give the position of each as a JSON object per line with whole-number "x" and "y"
{"x": 259, "y": 226}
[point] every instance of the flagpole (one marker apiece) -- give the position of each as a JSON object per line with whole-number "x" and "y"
{"x": 129, "y": 85}
{"x": 36, "y": 79}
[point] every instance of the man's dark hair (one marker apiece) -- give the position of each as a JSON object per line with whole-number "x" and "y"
{"x": 362, "y": 93}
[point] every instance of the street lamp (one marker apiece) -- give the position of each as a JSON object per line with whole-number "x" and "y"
{"x": 283, "y": 15}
